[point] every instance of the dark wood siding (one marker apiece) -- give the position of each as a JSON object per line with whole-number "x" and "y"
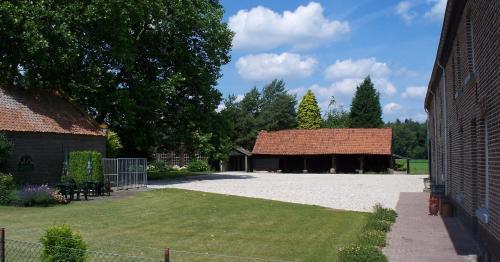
{"x": 47, "y": 153}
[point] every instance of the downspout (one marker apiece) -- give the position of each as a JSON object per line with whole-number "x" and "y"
{"x": 427, "y": 137}
{"x": 445, "y": 113}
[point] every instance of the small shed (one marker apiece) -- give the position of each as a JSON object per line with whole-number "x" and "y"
{"x": 239, "y": 160}
{"x": 44, "y": 127}
{"x": 333, "y": 150}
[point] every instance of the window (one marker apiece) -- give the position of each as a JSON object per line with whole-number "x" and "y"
{"x": 469, "y": 36}
{"x": 175, "y": 159}
{"x": 457, "y": 71}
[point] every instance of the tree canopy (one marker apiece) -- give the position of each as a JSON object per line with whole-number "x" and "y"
{"x": 366, "y": 111}
{"x": 308, "y": 113}
{"x": 146, "y": 68}
{"x": 409, "y": 138}
{"x": 271, "y": 109}
{"x": 336, "y": 117}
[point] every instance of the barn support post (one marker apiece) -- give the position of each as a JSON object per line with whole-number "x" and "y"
{"x": 361, "y": 164}
{"x": 246, "y": 163}
{"x": 333, "y": 169}
{"x": 305, "y": 165}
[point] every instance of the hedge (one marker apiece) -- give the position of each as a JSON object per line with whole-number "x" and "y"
{"x": 78, "y": 166}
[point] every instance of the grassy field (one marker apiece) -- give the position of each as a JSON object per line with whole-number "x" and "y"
{"x": 142, "y": 224}
{"x": 417, "y": 166}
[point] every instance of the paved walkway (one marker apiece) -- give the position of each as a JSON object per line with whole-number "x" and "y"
{"x": 418, "y": 237}
{"x": 338, "y": 191}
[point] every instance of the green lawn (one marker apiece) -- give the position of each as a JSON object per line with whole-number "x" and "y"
{"x": 417, "y": 166}
{"x": 196, "y": 221}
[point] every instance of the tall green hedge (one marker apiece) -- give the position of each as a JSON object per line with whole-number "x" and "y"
{"x": 78, "y": 166}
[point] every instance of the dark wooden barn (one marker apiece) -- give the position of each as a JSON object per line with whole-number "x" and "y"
{"x": 44, "y": 126}
{"x": 325, "y": 150}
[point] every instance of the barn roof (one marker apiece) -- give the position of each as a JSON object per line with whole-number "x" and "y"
{"x": 43, "y": 111}
{"x": 325, "y": 141}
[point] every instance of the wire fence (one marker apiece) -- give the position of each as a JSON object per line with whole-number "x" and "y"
{"x": 18, "y": 249}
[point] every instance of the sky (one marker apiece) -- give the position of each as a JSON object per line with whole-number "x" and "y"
{"x": 330, "y": 46}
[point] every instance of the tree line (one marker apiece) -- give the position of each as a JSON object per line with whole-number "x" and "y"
{"x": 150, "y": 74}
{"x": 274, "y": 109}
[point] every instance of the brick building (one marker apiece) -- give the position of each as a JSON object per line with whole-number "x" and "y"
{"x": 334, "y": 150}
{"x": 44, "y": 126}
{"x": 463, "y": 105}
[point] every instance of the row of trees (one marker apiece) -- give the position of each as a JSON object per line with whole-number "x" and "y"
{"x": 274, "y": 109}
{"x": 150, "y": 73}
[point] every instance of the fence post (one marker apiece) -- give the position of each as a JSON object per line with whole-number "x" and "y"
{"x": 166, "y": 255}
{"x": 2, "y": 244}
{"x": 407, "y": 166}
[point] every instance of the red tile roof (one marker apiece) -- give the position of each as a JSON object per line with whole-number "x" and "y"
{"x": 325, "y": 141}
{"x": 43, "y": 111}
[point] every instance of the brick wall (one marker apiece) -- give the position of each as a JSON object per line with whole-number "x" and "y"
{"x": 473, "y": 113}
{"x": 46, "y": 150}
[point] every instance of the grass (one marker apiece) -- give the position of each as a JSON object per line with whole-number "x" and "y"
{"x": 196, "y": 221}
{"x": 417, "y": 166}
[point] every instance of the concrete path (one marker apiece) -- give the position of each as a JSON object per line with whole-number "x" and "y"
{"x": 338, "y": 191}
{"x": 418, "y": 237}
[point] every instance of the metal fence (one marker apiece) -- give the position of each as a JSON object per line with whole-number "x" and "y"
{"x": 125, "y": 173}
{"x": 17, "y": 248}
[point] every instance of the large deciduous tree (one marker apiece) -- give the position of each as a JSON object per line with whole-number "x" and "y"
{"x": 147, "y": 68}
{"x": 366, "y": 111}
{"x": 308, "y": 113}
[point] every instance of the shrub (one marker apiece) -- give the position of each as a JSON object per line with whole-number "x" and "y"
{"x": 198, "y": 166}
{"x": 372, "y": 238}
{"x": 6, "y": 185}
{"x": 60, "y": 244}
{"x": 380, "y": 225}
{"x": 34, "y": 195}
{"x": 78, "y": 166}
{"x": 360, "y": 253}
{"x": 386, "y": 214}
{"x": 113, "y": 144}
{"x": 5, "y": 147}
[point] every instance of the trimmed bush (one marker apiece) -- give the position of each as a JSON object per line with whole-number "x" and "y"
{"x": 6, "y": 184}
{"x": 60, "y": 244}
{"x": 360, "y": 253}
{"x": 198, "y": 166}
{"x": 78, "y": 166}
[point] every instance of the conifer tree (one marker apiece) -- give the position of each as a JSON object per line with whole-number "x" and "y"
{"x": 366, "y": 111}
{"x": 309, "y": 115}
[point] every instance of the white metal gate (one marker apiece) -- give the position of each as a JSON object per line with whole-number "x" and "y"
{"x": 125, "y": 173}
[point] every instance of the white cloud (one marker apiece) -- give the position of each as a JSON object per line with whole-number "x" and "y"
{"x": 437, "y": 10}
{"x": 392, "y": 108}
{"x": 347, "y": 74}
{"x": 261, "y": 28}
{"x": 414, "y": 92}
{"x": 357, "y": 69}
{"x": 239, "y": 98}
{"x": 403, "y": 9}
{"x": 262, "y": 67}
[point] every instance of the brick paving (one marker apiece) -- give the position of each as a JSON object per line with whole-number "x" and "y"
{"x": 416, "y": 236}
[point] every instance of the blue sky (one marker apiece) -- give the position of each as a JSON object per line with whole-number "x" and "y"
{"x": 330, "y": 46}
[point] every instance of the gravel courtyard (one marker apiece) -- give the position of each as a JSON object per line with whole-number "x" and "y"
{"x": 338, "y": 191}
